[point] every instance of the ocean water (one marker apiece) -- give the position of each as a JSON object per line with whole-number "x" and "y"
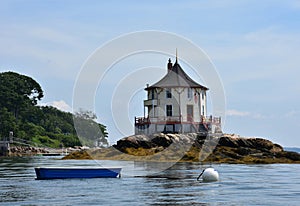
{"x": 275, "y": 184}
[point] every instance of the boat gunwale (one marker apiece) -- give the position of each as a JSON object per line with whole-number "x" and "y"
{"x": 87, "y": 168}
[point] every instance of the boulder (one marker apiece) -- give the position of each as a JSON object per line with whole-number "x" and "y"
{"x": 229, "y": 148}
{"x": 134, "y": 141}
{"x": 162, "y": 140}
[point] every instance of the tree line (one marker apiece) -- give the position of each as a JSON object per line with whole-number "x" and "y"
{"x": 43, "y": 125}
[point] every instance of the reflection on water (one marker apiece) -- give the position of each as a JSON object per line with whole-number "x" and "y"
{"x": 145, "y": 184}
{"x": 177, "y": 185}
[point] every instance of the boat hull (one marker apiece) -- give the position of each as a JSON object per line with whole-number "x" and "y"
{"x": 66, "y": 173}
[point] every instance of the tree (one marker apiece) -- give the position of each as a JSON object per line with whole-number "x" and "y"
{"x": 44, "y": 125}
{"x": 85, "y": 114}
{"x": 18, "y": 92}
{"x": 7, "y": 122}
{"x": 88, "y": 130}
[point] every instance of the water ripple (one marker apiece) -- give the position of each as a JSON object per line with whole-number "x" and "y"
{"x": 275, "y": 184}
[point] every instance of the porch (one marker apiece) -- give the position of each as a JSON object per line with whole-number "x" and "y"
{"x": 176, "y": 119}
{"x": 174, "y": 124}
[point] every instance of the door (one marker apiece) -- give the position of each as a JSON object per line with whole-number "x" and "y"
{"x": 190, "y": 112}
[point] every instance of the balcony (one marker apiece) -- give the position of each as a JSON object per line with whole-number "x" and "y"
{"x": 176, "y": 119}
{"x": 155, "y": 120}
{"x": 150, "y": 102}
{"x": 211, "y": 120}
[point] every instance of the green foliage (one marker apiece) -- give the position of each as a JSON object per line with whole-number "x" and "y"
{"x": 45, "y": 125}
{"x": 18, "y": 92}
{"x": 7, "y": 122}
{"x": 46, "y": 141}
{"x": 89, "y": 132}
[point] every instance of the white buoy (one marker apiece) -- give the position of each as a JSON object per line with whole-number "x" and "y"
{"x": 209, "y": 175}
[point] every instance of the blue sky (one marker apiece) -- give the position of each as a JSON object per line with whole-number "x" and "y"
{"x": 254, "y": 45}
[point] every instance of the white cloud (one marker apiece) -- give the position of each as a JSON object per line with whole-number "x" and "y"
{"x": 236, "y": 113}
{"x": 233, "y": 112}
{"x": 292, "y": 113}
{"x": 61, "y": 105}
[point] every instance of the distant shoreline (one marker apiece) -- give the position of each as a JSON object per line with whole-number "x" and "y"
{"x": 292, "y": 149}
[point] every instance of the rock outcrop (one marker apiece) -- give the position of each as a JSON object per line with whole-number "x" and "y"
{"x": 193, "y": 147}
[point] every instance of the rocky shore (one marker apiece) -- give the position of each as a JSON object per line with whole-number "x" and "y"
{"x": 26, "y": 151}
{"x": 30, "y": 150}
{"x": 226, "y": 148}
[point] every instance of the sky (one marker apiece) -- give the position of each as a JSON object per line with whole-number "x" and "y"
{"x": 253, "y": 45}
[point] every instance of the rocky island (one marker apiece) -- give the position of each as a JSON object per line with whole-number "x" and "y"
{"x": 192, "y": 147}
{"x": 181, "y": 131}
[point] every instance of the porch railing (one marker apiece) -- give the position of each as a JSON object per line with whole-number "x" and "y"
{"x": 148, "y": 120}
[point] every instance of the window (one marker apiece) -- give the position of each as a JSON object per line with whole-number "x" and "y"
{"x": 189, "y": 93}
{"x": 203, "y": 95}
{"x": 189, "y": 112}
{"x": 169, "y": 110}
{"x": 168, "y": 93}
{"x": 152, "y": 94}
{"x": 203, "y": 110}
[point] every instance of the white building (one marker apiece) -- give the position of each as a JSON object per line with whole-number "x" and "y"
{"x": 175, "y": 104}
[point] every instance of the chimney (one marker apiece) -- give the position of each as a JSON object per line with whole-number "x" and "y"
{"x": 170, "y": 65}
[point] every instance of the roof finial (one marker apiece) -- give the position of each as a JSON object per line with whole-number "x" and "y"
{"x": 176, "y": 56}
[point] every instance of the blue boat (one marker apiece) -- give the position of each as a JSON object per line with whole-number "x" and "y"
{"x": 45, "y": 173}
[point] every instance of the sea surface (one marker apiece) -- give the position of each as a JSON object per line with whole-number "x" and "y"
{"x": 150, "y": 184}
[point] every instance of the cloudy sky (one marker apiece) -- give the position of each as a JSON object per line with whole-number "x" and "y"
{"x": 254, "y": 46}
